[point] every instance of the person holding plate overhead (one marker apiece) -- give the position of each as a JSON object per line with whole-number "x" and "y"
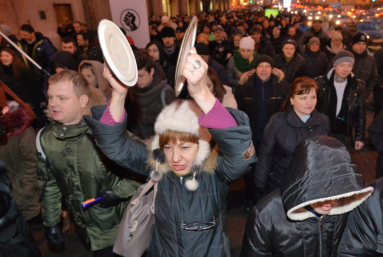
{"x": 192, "y": 172}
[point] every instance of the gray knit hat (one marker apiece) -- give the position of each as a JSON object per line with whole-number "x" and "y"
{"x": 6, "y": 30}
{"x": 343, "y": 56}
{"x": 314, "y": 40}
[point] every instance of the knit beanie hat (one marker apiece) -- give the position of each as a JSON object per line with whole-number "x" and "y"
{"x": 279, "y": 26}
{"x": 181, "y": 116}
{"x": 336, "y": 35}
{"x": 343, "y": 56}
{"x": 168, "y": 32}
{"x": 202, "y": 49}
{"x": 314, "y": 40}
{"x": 289, "y": 40}
{"x": 264, "y": 58}
{"x": 6, "y": 30}
{"x": 219, "y": 27}
{"x": 247, "y": 42}
{"x": 164, "y": 19}
{"x": 359, "y": 37}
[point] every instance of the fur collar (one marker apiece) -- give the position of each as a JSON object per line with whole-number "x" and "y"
{"x": 16, "y": 121}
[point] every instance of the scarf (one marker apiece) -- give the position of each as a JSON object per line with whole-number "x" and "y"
{"x": 170, "y": 52}
{"x": 243, "y": 64}
{"x": 288, "y": 59}
{"x": 335, "y": 49}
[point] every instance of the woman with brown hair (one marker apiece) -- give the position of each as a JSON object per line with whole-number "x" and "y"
{"x": 297, "y": 120}
{"x": 223, "y": 93}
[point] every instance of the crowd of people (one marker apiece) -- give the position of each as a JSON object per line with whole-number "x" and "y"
{"x": 267, "y": 99}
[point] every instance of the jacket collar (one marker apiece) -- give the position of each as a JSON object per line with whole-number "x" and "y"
{"x": 294, "y": 120}
{"x": 61, "y": 131}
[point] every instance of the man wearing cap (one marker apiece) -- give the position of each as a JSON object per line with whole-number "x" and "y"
{"x": 220, "y": 47}
{"x": 262, "y": 44}
{"x": 260, "y": 98}
{"x": 203, "y": 51}
{"x": 314, "y": 31}
{"x": 166, "y": 22}
{"x": 171, "y": 49}
{"x": 365, "y": 66}
{"x": 316, "y": 60}
{"x": 276, "y": 39}
{"x": 289, "y": 61}
{"x": 180, "y": 33}
{"x": 341, "y": 98}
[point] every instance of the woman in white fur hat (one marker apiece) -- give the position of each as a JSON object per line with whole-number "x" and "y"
{"x": 192, "y": 172}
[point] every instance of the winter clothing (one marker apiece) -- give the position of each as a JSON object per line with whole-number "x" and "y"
{"x": 63, "y": 59}
{"x": 293, "y": 69}
{"x": 75, "y": 171}
{"x": 264, "y": 58}
{"x": 365, "y": 70}
{"x": 172, "y": 55}
{"x": 229, "y": 99}
{"x": 280, "y": 224}
{"x": 18, "y": 151}
{"x": 168, "y": 32}
{"x": 343, "y": 56}
{"x": 92, "y": 53}
{"x": 144, "y": 104}
{"x": 6, "y": 30}
{"x": 219, "y": 51}
{"x": 316, "y": 63}
{"x": 289, "y": 40}
{"x": 355, "y": 116}
{"x": 375, "y": 131}
{"x": 362, "y": 234}
{"x": 278, "y": 145}
{"x": 359, "y": 37}
{"x": 102, "y": 83}
{"x": 330, "y": 50}
{"x": 16, "y": 241}
{"x": 244, "y": 65}
{"x": 265, "y": 47}
{"x": 305, "y": 38}
{"x": 277, "y": 44}
{"x": 314, "y": 40}
{"x": 175, "y": 204}
{"x": 219, "y": 69}
{"x": 247, "y": 42}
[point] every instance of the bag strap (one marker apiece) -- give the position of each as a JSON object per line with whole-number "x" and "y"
{"x": 146, "y": 189}
{"x": 39, "y": 147}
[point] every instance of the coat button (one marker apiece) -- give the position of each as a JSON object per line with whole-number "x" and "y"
{"x": 64, "y": 128}
{"x": 62, "y": 134}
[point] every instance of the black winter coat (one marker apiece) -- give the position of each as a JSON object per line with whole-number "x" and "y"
{"x": 363, "y": 234}
{"x": 356, "y": 115}
{"x": 310, "y": 33}
{"x": 277, "y": 43}
{"x": 266, "y": 47}
{"x": 247, "y": 102}
{"x": 278, "y": 145}
{"x": 280, "y": 225}
{"x": 365, "y": 70}
{"x": 15, "y": 239}
{"x": 316, "y": 63}
{"x": 375, "y": 131}
{"x": 293, "y": 69}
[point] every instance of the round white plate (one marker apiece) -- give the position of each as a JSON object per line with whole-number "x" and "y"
{"x": 117, "y": 52}
{"x": 187, "y": 44}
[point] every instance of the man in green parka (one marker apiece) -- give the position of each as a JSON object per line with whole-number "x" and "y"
{"x": 72, "y": 169}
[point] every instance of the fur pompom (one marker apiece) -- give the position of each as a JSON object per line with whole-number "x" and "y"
{"x": 197, "y": 169}
{"x": 156, "y": 176}
{"x": 192, "y": 184}
{"x": 159, "y": 155}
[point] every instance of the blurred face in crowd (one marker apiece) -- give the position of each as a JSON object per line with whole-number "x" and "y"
{"x": 359, "y": 47}
{"x": 90, "y": 77}
{"x": 180, "y": 35}
{"x": 77, "y": 27}
{"x": 84, "y": 28}
{"x": 180, "y": 24}
{"x": 206, "y": 30}
{"x": 246, "y": 53}
{"x": 323, "y": 208}
{"x": 291, "y": 32}
{"x": 81, "y": 42}
{"x": 29, "y": 37}
{"x": 264, "y": 71}
{"x": 271, "y": 23}
{"x": 304, "y": 23}
{"x": 256, "y": 37}
{"x": 317, "y": 26}
{"x": 64, "y": 105}
{"x": 180, "y": 155}
{"x": 168, "y": 42}
{"x": 288, "y": 50}
{"x": 314, "y": 47}
{"x": 240, "y": 27}
{"x": 304, "y": 104}
{"x": 164, "y": 14}
{"x": 218, "y": 34}
{"x": 296, "y": 26}
{"x": 336, "y": 42}
{"x": 343, "y": 69}
{"x": 6, "y": 58}
{"x": 265, "y": 24}
{"x": 276, "y": 32}
{"x": 144, "y": 77}
{"x": 202, "y": 40}
{"x": 70, "y": 47}
{"x": 154, "y": 52}
{"x": 287, "y": 20}
{"x": 283, "y": 23}
{"x": 237, "y": 40}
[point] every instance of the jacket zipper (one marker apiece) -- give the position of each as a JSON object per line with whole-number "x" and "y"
{"x": 320, "y": 237}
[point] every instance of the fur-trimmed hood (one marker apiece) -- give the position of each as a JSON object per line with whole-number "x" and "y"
{"x": 322, "y": 170}
{"x": 17, "y": 119}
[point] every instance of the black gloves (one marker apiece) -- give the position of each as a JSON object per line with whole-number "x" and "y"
{"x": 54, "y": 235}
{"x": 110, "y": 198}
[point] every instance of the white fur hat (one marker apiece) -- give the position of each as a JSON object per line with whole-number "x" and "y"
{"x": 247, "y": 42}
{"x": 182, "y": 116}
{"x": 164, "y": 19}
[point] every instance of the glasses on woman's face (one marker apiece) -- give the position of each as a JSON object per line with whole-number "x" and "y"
{"x": 198, "y": 226}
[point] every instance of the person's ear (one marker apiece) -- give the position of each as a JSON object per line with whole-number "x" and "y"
{"x": 152, "y": 71}
{"x": 291, "y": 101}
{"x": 84, "y": 99}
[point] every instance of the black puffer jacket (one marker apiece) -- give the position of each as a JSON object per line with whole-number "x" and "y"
{"x": 356, "y": 115}
{"x": 15, "y": 239}
{"x": 266, "y": 47}
{"x": 363, "y": 234}
{"x": 365, "y": 70}
{"x": 278, "y": 145}
{"x": 316, "y": 63}
{"x": 293, "y": 69}
{"x": 280, "y": 225}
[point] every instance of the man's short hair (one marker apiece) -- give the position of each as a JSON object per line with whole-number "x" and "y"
{"x": 84, "y": 35}
{"x": 68, "y": 40}
{"x": 143, "y": 60}
{"x": 78, "y": 22}
{"x": 28, "y": 28}
{"x": 80, "y": 84}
